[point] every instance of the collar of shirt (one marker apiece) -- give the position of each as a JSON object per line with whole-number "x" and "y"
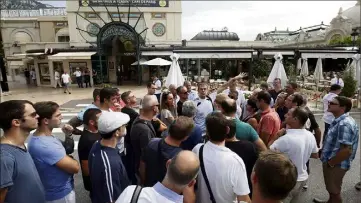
{"x": 167, "y": 193}
{"x": 296, "y": 131}
{"x": 217, "y": 147}
{"x": 266, "y": 111}
{"x": 337, "y": 120}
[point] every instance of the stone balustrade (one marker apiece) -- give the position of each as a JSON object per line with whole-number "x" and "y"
{"x": 33, "y": 13}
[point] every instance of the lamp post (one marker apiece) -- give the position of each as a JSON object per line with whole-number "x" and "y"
{"x": 354, "y": 36}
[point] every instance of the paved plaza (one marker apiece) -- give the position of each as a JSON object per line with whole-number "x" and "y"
{"x": 72, "y": 104}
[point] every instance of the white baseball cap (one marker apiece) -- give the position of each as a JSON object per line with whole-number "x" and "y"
{"x": 110, "y": 121}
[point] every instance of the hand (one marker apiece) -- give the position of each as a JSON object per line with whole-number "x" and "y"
{"x": 188, "y": 194}
{"x": 281, "y": 132}
{"x": 67, "y": 129}
{"x": 117, "y": 107}
{"x": 241, "y": 75}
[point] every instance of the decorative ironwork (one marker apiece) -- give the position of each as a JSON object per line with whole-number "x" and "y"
{"x": 123, "y": 3}
{"x": 158, "y": 29}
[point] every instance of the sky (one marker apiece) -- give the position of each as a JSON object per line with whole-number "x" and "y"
{"x": 248, "y": 18}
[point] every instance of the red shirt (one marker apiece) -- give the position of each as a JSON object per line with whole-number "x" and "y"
{"x": 270, "y": 123}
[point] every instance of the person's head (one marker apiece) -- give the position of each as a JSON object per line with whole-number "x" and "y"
{"x": 182, "y": 170}
{"x": 291, "y": 87}
{"x": 96, "y": 95}
{"x": 154, "y": 78}
{"x": 18, "y": 115}
{"x": 263, "y": 100}
{"x": 217, "y": 126}
{"x": 151, "y": 88}
{"x": 91, "y": 117}
{"x": 181, "y": 128}
{"x": 189, "y": 109}
{"x": 340, "y": 105}
{"x": 233, "y": 94}
{"x": 167, "y": 100}
{"x": 251, "y": 106}
{"x": 173, "y": 89}
{"x": 274, "y": 176}
{"x": 182, "y": 93}
{"x": 293, "y": 100}
{"x": 129, "y": 98}
{"x": 281, "y": 99}
{"x": 296, "y": 117}
{"x": 202, "y": 90}
{"x": 277, "y": 83}
{"x": 112, "y": 125}
{"x": 335, "y": 88}
{"x": 264, "y": 86}
{"x": 118, "y": 93}
{"x": 108, "y": 96}
{"x": 218, "y": 101}
{"x": 231, "y": 123}
{"x": 229, "y": 107}
{"x": 188, "y": 85}
{"x": 150, "y": 105}
{"x": 49, "y": 114}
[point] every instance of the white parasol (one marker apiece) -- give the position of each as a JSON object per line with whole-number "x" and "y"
{"x": 299, "y": 64}
{"x": 356, "y": 68}
{"x": 157, "y": 62}
{"x": 304, "y": 69}
{"x": 175, "y": 75}
{"x": 278, "y": 71}
{"x": 142, "y": 60}
{"x": 318, "y": 74}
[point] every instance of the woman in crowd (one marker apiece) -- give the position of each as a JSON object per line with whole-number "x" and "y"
{"x": 167, "y": 110}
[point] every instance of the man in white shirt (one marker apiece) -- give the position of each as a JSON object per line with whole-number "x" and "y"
{"x": 337, "y": 80}
{"x": 78, "y": 76}
{"x": 204, "y": 106}
{"x": 224, "y": 169}
{"x": 180, "y": 179}
{"x": 299, "y": 144}
{"x": 191, "y": 93}
{"x": 57, "y": 79}
{"x": 66, "y": 80}
{"x": 328, "y": 117}
{"x": 158, "y": 86}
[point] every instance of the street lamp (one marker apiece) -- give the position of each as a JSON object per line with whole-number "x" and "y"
{"x": 354, "y": 36}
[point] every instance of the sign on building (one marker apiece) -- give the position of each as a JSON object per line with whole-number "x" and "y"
{"x": 125, "y": 3}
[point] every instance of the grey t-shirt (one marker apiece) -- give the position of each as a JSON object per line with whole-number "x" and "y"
{"x": 19, "y": 175}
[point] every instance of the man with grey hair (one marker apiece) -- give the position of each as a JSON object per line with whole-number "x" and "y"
{"x": 189, "y": 109}
{"x": 180, "y": 179}
{"x": 142, "y": 129}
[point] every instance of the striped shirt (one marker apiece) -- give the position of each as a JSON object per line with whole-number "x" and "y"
{"x": 107, "y": 173}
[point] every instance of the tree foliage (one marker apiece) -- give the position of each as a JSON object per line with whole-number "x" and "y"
{"x": 261, "y": 68}
{"x": 345, "y": 41}
{"x": 350, "y": 84}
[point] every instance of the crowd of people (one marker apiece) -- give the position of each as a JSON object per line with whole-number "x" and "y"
{"x": 179, "y": 145}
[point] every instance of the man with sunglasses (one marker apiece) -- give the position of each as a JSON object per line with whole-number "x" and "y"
{"x": 19, "y": 176}
{"x": 339, "y": 147}
{"x": 328, "y": 117}
{"x": 183, "y": 97}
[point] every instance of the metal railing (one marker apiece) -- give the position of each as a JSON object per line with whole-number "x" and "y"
{"x": 33, "y": 13}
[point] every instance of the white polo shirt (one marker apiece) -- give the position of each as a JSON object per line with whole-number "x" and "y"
{"x": 65, "y": 77}
{"x": 158, "y": 84}
{"x": 226, "y": 174}
{"x": 338, "y": 81}
{"x": 328, "y": 117}
{"x": 298, "y": 144}
{"x": 77, "y": 73}
{"x": 204, "y": 107}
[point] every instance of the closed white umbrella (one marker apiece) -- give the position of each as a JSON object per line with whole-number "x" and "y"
{"x": 318, "y": 74}
{"x": 299, "y": 64}
{"x": 175, "y": 76}
{"x": 304, "y": 69}
{"x": 356, "y": 68}
{"x": 157, "y": 62}
{"x": 278, "y": 71}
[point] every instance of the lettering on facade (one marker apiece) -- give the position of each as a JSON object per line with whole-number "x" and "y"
{"x": 118, "y": 30}
{"x": 33, "y": 13}
{"x": 125, "y": 3}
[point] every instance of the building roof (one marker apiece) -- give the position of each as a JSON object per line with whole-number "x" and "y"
{"x": 216, "y": 35}
{"x": 353, "y": 14}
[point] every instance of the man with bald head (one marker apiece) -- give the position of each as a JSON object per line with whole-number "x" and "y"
{"x": 244, "y": 131}
{"x": 179, "y": 179}
{"x": 142, "y": 129}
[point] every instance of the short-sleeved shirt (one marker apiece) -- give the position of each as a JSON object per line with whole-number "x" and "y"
{"x": 19, "y": 175}
{"x": 298, "y": 144}
{"x": 192, "y": 95}
{"x": 165, "y": 114}
{"x": 204, "y": 107}
{"x": 81, "y": 113}
{"x": 65, "y": 78}
{"x": 193, "y": 139}
{"x": 155, "y": 157}
{"x": 107, "y": 173}
{"x": 270, "y": 123}
{"x": 141, "y": 134}
{"x": 225, "y": 171}
{"x": 343, "y": 130}
{"x": 245, "y": 131}
{"x": 46, "y": 151}
{"x": 274, "y": 94}
{"x": 328, "y": 116}
{"x": 86, "y": 141}
{"x": 158, "y": 84}
{"x": 249, "y": 154}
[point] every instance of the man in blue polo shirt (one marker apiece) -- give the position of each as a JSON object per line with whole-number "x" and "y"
{"x": 107, "y": 172}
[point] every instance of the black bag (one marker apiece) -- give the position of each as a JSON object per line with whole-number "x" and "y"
{"x": 205, "y": 175}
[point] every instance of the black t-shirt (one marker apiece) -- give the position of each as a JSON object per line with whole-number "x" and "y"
{"x": 314, "y": 124}
{"x": 274, "y": 94}
{"x": 132, "y": 115}
{"x": 140, "y": 135}
{"x": 155, "y": 157}
{"x": 86, "y": 142}
{"x": 248, "y": 152}
{"x": 179, "y": 108}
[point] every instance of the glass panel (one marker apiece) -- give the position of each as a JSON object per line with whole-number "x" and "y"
{"x": 44, "y": 73}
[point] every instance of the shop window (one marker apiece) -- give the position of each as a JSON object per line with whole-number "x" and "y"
{"x": 63, "y": 38}
{"x": 116, "y": 15}
{"x": 91, "y": 15}
{"x": 58, "y": 66}
{"x": 61, "y": 24}
{"x": 73, "y": 66}
{"x": 44, "y": 73}
{"x": 158, "y": 15}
